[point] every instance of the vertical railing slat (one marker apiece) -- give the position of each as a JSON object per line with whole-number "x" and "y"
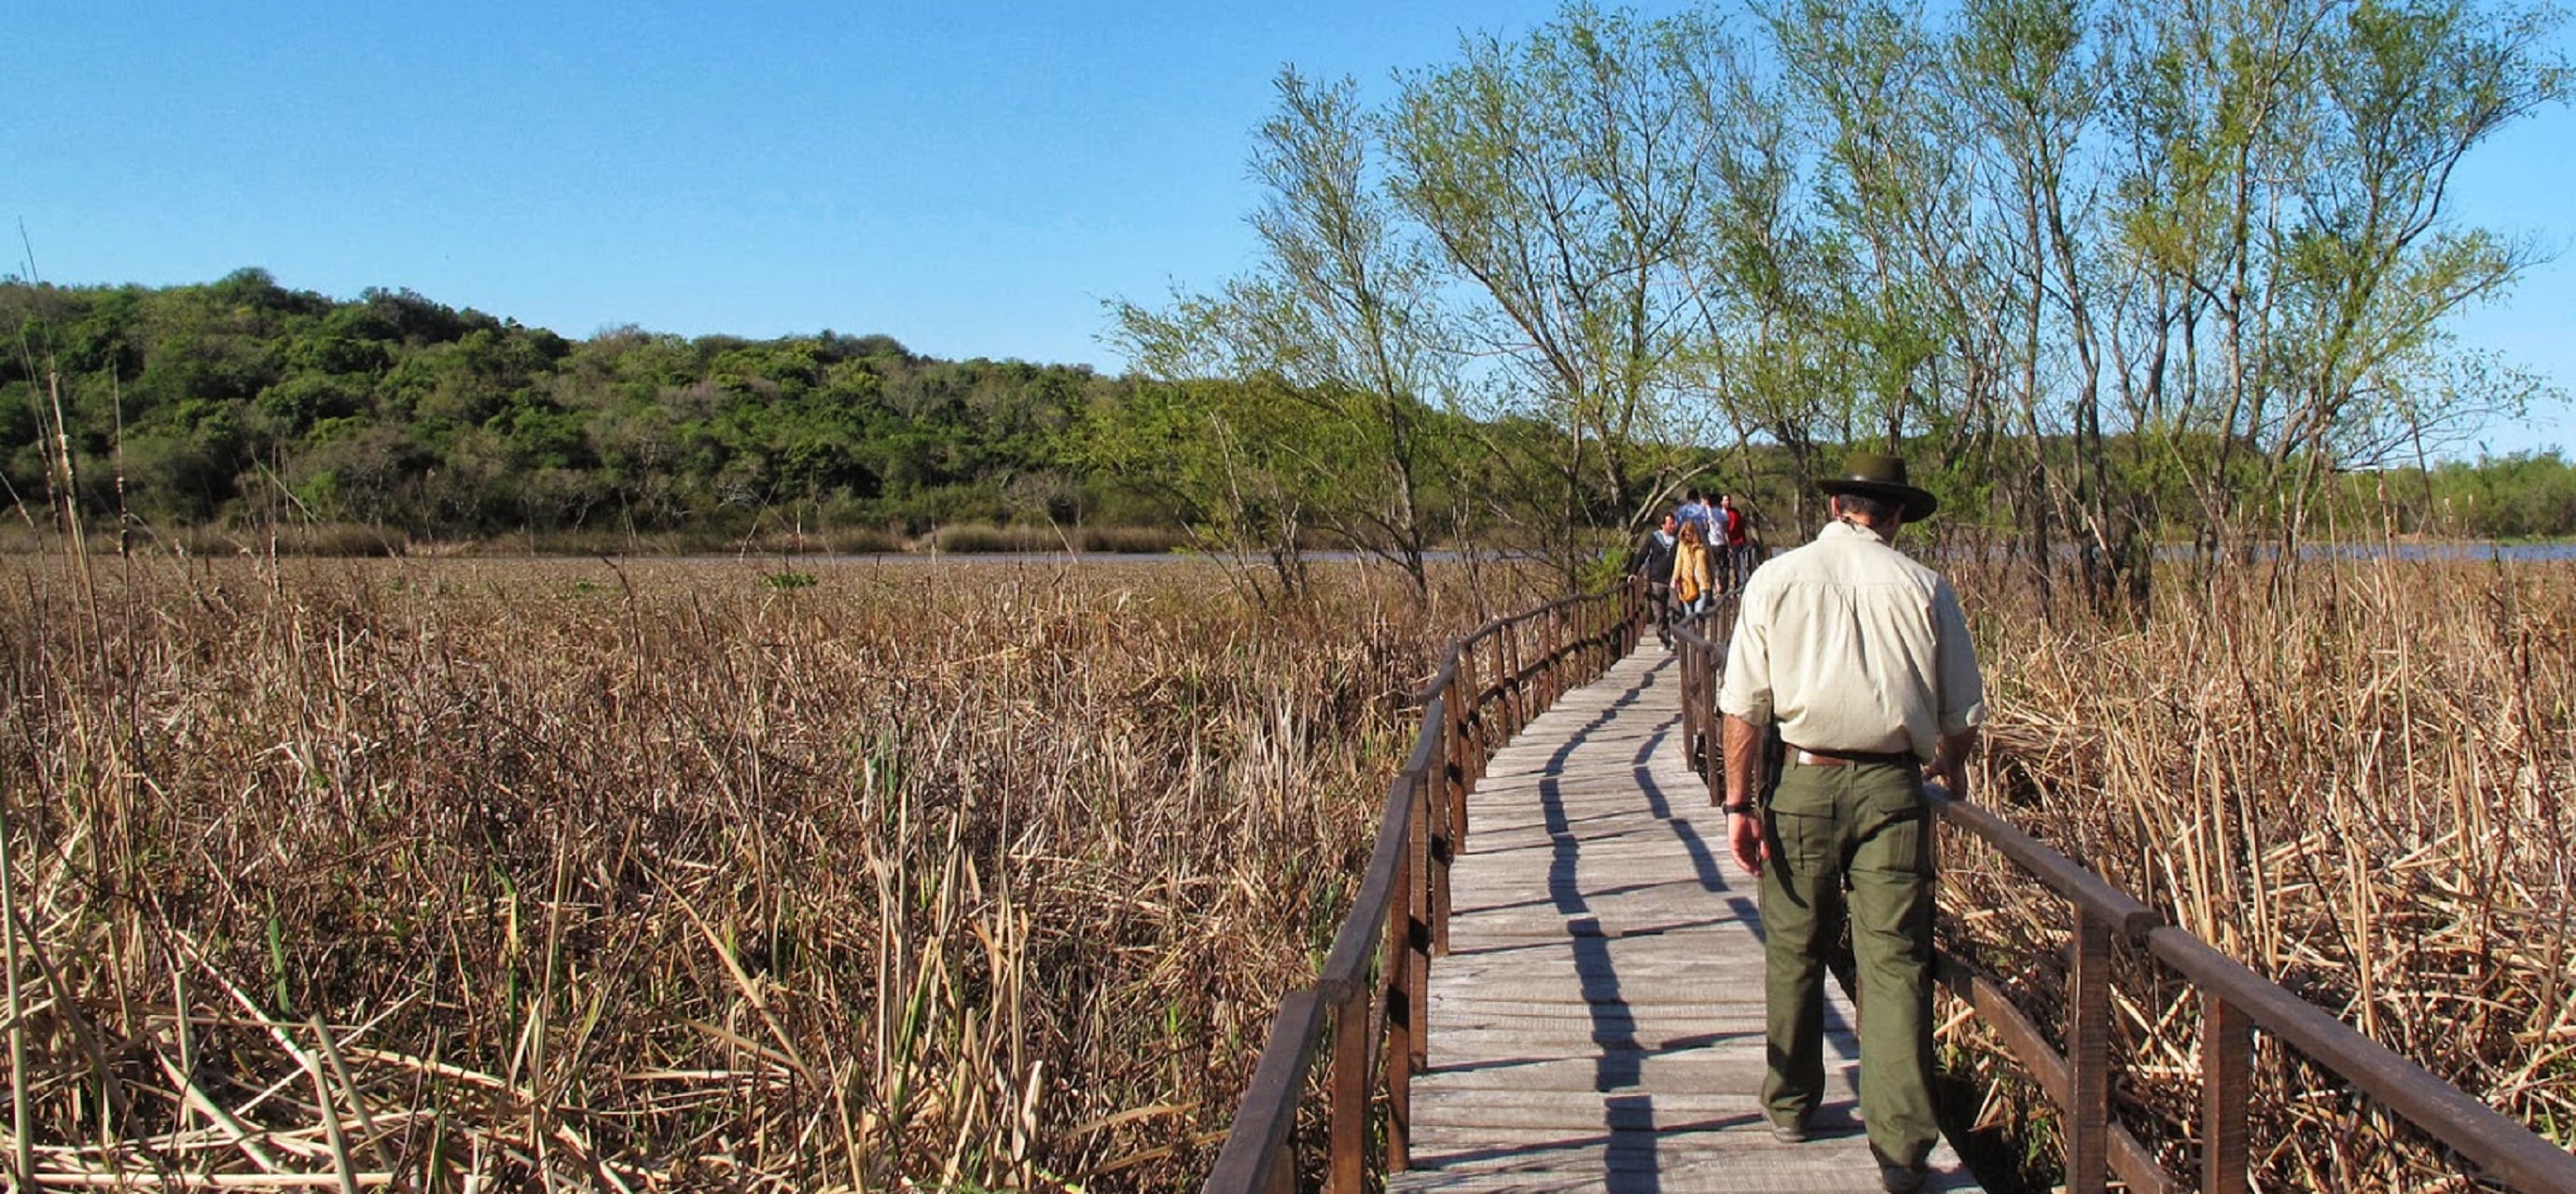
{"x": 1436, "y": 791}
{"x": 1396, "y": 988}
{"x": 1417, "y": 928}
{"x": 1350, "y": 1094}
{"x": 2088, "y": 1056}
{"x": 2226, "y": 1088}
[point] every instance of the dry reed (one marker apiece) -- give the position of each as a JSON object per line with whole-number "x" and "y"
{"x": 2354, "y": 777}
{"x": 462, "y": 875}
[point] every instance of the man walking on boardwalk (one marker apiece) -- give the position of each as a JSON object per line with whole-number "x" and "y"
{"x": 1861, "y": 657}
{"x": 1653, "y": 560}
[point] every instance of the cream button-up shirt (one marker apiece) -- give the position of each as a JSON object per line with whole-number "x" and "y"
{"x": 1852, "y": 646}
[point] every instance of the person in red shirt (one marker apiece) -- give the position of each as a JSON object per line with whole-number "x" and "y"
{"x": 1739, "y": 538}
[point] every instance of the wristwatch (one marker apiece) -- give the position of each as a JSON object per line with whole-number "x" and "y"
{"x": 1741, "y": 810}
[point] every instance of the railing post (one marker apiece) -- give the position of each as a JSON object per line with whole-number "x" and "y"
{"x": 1489, "y": 673}
{"x": 1465, "y": 750}
{"x": 1348, "y": 1172}
{"x": 2088, "y": 1056}
{"x": 1557, "y": 661}
{"x": 1712, "y": 728}
{"x": 1554, "y": 646}
{"x": 1554, "y": 656}
{"x": 1637, "y": 613}
{"x": 1589, "y": 627}
{"x": 1479, "y": 755}
{"x": 1560, "y": 657}
{"x": 1417, "y": 930}
{"x": 1396, "y": 989}
{"x": 2226, "y": 1086}
{"x": 1439, "y": 796}
{"x": 1535, "y": 658}
{"x": 1692, "y": 730}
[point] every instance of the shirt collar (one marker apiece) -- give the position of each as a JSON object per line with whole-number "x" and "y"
{"x": 1838, "y": 529}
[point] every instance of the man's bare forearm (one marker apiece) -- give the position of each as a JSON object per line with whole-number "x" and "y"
{"x": 1743, "y": 760}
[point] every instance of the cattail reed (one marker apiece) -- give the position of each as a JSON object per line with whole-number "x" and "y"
{"x": 2356, "y": 778}
{"x": 456, "y": 874}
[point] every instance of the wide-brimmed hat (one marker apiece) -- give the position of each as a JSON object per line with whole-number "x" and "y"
{"x": 1873, "y": 475}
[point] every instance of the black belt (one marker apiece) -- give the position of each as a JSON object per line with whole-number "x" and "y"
{"x": 1848, "y": 758}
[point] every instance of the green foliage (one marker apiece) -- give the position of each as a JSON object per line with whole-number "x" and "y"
{"x": 2528, "y": 495}
{"x": 398, "y": 411}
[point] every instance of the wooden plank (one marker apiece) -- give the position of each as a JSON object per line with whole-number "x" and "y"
{"x": 1654, "y": 1073}
{"x": 1585, "y": 1175}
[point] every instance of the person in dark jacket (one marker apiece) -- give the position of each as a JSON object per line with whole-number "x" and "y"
{"x": 1653, "y": 560}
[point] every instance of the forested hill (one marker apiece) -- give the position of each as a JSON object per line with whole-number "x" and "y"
{"x": 394, "y": 410}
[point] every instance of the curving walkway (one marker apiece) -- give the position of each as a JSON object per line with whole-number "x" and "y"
{"x": 1597, "y": 1024}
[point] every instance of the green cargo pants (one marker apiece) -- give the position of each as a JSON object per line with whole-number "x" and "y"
{"x": 1854, "y": 841}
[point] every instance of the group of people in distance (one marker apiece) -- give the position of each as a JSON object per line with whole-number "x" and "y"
{"x": 1703, "y": 549}
{"x": 1850, "y": 685}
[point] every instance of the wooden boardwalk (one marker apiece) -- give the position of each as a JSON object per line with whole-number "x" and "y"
{"x": 1597, "y": 1024}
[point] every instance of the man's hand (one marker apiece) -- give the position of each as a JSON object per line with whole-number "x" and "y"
{"x": 1949, "y": 765}
{"x": 1744, "y": 745}
{"x": 1744, "y": 836}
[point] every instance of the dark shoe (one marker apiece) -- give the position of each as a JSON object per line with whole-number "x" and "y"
{"x": 1900, "y": 1179}
{"x": 1789, "y": 1131}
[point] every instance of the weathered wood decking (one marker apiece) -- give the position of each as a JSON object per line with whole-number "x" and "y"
{"x": 1597, "y": 1024}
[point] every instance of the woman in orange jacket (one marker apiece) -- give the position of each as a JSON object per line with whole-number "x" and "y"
{"x": 1694, "y": 577}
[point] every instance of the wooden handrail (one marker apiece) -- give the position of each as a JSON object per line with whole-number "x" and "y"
{"x": 1347, "y": 964}
{"x": 1251, "y": 1159}
{"x": 2235, "y": 1001}
{"x": 1397, "y": 919}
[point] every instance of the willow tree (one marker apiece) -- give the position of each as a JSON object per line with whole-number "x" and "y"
{"x": 2368, "y": 266}
{"x": 2286, "y": 184}
{"x": 1566, "y": 179}
{"x": 1338, "y": 320}
{"x": 1760, "y": 277}
{"x": 2033, "y": 80}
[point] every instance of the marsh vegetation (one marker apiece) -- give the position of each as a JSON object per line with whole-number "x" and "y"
{"x": 2360, "y": 780}
{"x": 458, "y": 874}
{"x": 650, "y": 875}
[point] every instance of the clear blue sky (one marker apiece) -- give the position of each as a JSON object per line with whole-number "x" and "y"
{"x": 970, "y": 177}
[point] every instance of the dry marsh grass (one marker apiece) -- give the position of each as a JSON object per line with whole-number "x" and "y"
{"x": 2360, "y": 784}
{"x": 456, "y": 874}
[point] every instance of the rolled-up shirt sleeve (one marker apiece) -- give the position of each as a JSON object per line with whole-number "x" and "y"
{"x": 1963, "y": 687}
{"x": 1745, "y": 691}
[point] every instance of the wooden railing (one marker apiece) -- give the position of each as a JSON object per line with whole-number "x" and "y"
{"x": 2234, "y": 1002}
{"x": 1371, "y": 989}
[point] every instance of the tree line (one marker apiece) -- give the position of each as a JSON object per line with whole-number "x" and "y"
{"x": 187, "y": 405}
{"x": 243, "y": 400}
{"x": 2110, "y": 273}
{"x": 395, "y": 409}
